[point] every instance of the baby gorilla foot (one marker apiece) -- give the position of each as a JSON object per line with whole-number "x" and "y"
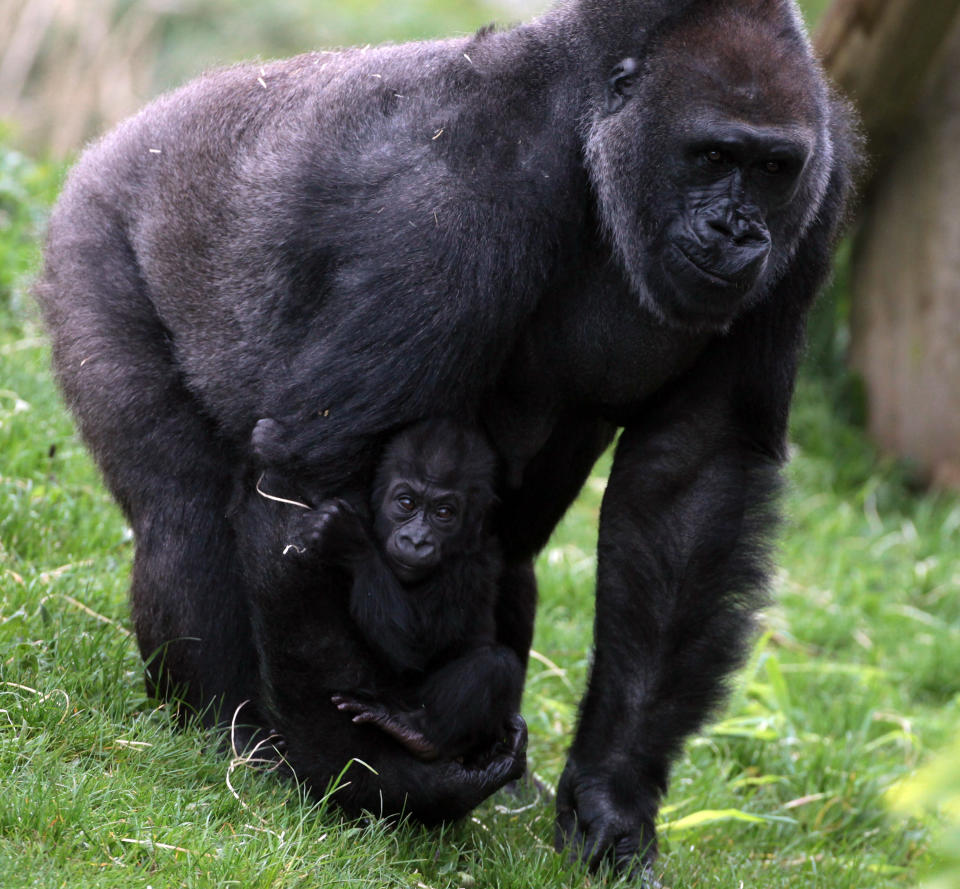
{"x": 394, "y": 724}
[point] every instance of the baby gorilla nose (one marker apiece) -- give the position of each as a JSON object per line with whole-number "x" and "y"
{"x": 415, "y": 549}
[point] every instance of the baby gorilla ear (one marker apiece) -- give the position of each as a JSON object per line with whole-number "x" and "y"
{"x": 621, "y": 83}
{"x": 268, "y": 442}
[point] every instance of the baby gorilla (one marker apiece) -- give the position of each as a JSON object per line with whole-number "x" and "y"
{"x": 423, "y": 578}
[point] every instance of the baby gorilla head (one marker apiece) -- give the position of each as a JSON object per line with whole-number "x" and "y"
{"x": 432, "y": 493}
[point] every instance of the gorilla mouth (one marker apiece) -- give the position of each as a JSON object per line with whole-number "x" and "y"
{"x": 707, "y": 273}
{"x": 410, "y": 573}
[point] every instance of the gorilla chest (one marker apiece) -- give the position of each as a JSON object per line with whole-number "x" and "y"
{"x": 595, "y": 347}
{"x": 594, "y": 354}
{"x": 621, "y": 365}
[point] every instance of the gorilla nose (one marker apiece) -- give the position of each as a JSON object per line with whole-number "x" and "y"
{"x": 735, "y": 248}
{"x": 740, "y": 230}
{"x": 415, "y": 549}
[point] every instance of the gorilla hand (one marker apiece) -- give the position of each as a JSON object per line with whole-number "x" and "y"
{"x": 335, "y": 534}
{"x": 604, "y": 819}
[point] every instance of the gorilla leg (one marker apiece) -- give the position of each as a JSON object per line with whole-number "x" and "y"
{"x": 516, "y": 609}
{"x": 162, "y": 460}
{"x": 551, "y": 482}
{"x": 190, "y": 615}
{"x": 529, "y": 513}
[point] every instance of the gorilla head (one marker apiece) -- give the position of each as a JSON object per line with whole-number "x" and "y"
{"x": 708, "y": 158}
{"x": 432, "y": 492}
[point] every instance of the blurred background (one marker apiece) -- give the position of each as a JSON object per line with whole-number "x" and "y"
{"x": 71, "y": 68}
{"x": 854, "y": 683}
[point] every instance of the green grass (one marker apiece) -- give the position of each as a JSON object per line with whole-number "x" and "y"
{"x": 854, "y": 681}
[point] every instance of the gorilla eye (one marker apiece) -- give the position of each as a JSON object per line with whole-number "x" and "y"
{"x": 773, "y": 167}
{"x": 714, "y": 155}
{"x": 445, "y": 513}
{"x": 406, "y": 503}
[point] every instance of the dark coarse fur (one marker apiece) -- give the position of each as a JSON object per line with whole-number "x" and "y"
{"x": 414, "y": 663}
{"x": 522, "y": 225}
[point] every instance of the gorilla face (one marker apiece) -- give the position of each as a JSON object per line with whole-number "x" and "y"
{"x": 708, "y": 167}
{"x": 418, "y": 524}
{"x": 431, "y": 495}
{"x": 712, "y": 248}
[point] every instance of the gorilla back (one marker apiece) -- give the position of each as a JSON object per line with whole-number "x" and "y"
{"x": 617, "y": 214}
{"x": 249, "y": 246}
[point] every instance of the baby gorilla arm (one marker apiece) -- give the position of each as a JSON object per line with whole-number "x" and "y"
{"x": 379, "y": 606}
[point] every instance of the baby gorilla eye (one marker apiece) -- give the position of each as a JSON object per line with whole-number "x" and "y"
{"x": 445, "y": 512}
{"x": 406, "y": 503}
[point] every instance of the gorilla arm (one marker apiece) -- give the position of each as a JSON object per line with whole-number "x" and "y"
{"x": 401, "y": 282}
{"x": 682, "y": 561}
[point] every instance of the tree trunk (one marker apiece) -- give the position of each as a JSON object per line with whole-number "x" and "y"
{"x": 900, "y": 61}
{"x": 905, "y": 324}
{"x": 879, "y": 52}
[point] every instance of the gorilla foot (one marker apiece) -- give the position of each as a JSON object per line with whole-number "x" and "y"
{"x": 394, "y": 724}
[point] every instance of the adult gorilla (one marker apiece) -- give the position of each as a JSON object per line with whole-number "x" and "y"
{"x": 615, "y": 215}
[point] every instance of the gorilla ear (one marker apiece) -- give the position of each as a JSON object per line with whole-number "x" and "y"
{"x": 620, "y": 83}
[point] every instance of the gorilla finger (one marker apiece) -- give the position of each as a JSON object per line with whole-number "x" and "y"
{"x": 567, "y": 821}
{"x": 347, "y": 703}
{"x": 413, "y": 741}
{"x": 343, "y": 506}
{"x": 567, "y": 838}
{"x": 516, "y": 739}
{"x": 366, "y": 709}
{"x": 506, "y": 766}
{"x": 500, "y": 772}
{"x": 266, "y": 440}
{"x": 596, "y": 847}
{"x": 633, "y": 852}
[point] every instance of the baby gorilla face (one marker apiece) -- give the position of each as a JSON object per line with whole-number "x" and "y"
{"x": 432, "y": 493}
{"x": 418, "y": 524}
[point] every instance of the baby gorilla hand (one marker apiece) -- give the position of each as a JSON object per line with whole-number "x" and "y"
{"x": 335, "y": 533}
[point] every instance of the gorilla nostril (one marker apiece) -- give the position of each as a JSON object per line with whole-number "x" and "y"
{"x": 720, "y": 226}
{"x": 748, "y": 233}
